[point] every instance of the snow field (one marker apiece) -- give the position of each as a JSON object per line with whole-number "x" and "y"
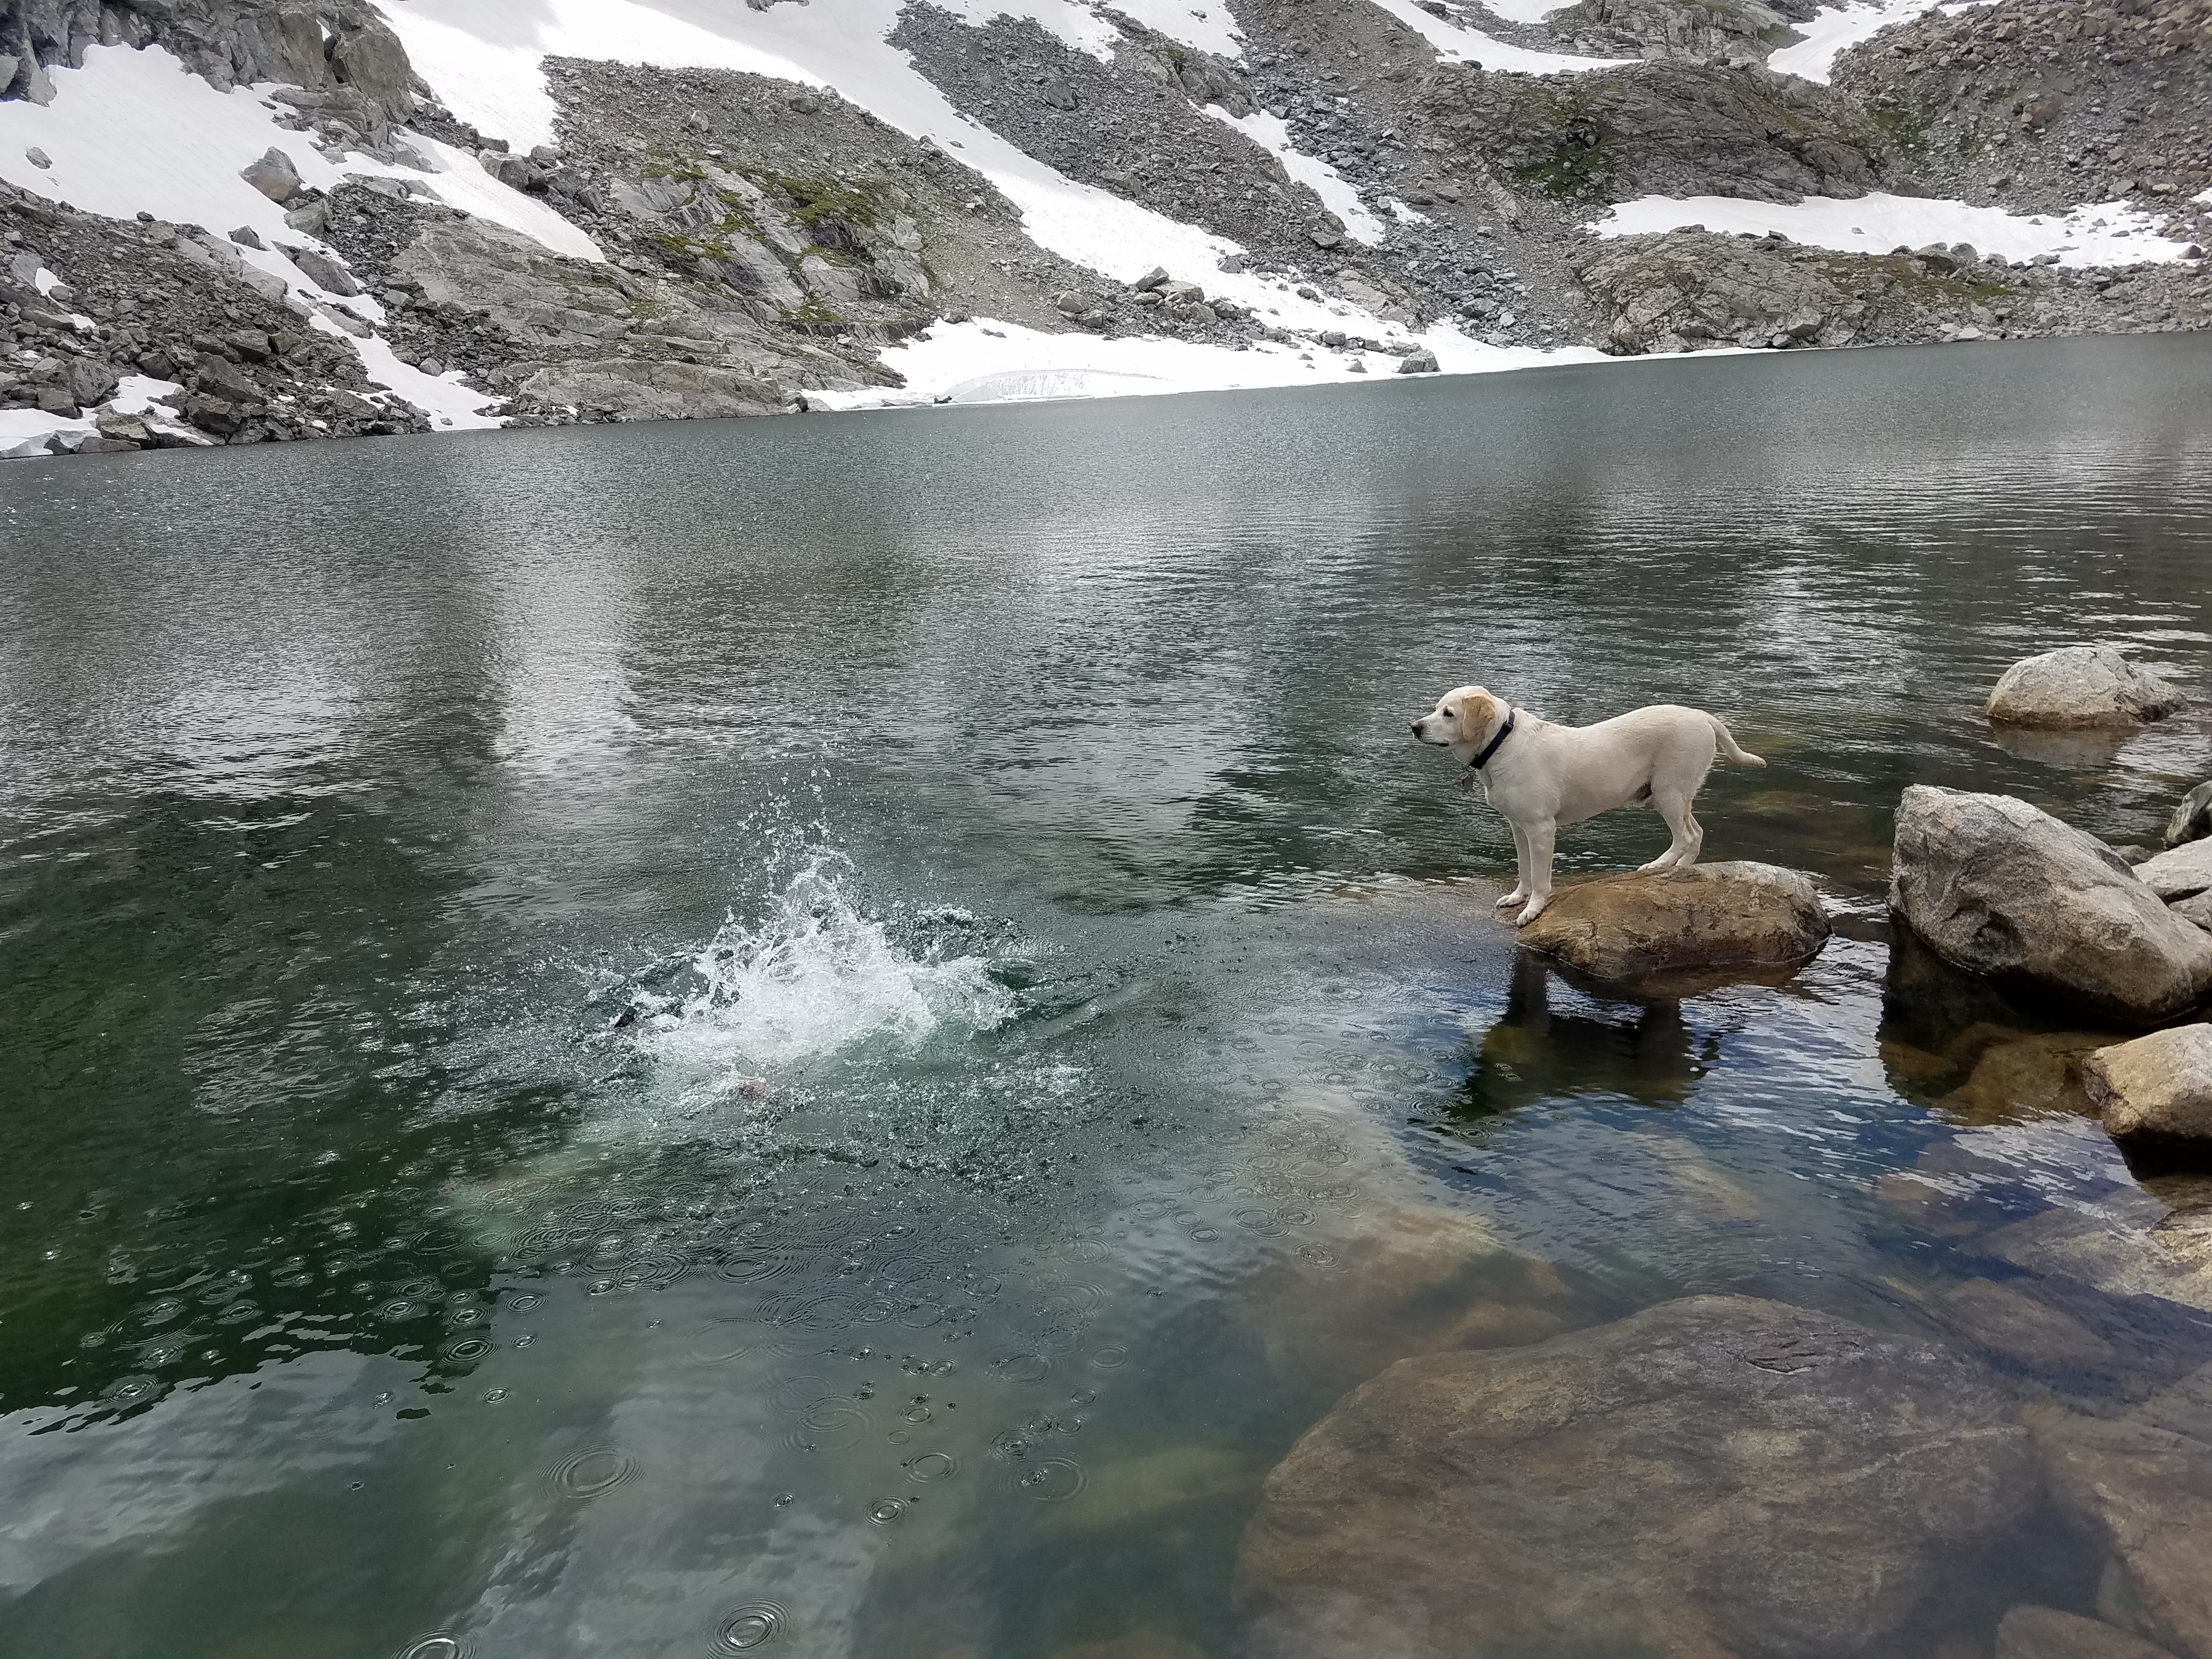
{"x": 985, "y": 362}
{"x": 2113, "y": 233}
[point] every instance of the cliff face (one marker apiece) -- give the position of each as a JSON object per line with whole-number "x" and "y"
{"x": 1302, "y": 187}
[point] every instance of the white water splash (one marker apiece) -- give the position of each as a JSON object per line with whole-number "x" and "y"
{"x": 812, "y": 978}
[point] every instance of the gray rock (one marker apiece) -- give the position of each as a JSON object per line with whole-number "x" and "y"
{"x": 2081, "y": 685}
{"x": 2157, "y": 1087}
{"x": 368, "y": 59}
{"x": 246, "y": 236}
{"x": 225, "y": 379}
{"x": 2180, "y": 873}
{"x": 92, "y": 381}
{"x": 37, "y": 157}
{"x": 1419, "y": 362}
{"x": 324, "y": 271}
{"x": 2031, "y": 1632}
{"x": 1152, "y": 279}
{"x": 2197, "y": 911}
{"x": 1718, "y": 1475}
{"x": 274, "y": 176}
{"x": 2192, "y": 819}
{"x": 1997, "y": 886}
{"x": 310, "y": 218}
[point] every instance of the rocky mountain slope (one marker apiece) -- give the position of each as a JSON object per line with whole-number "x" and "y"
{"x": 700, "y": 208}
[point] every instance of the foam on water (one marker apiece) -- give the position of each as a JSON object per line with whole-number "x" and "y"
{"x": 813, "y": 977}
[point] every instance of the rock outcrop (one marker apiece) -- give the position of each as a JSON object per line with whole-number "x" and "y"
{"x": 2081, "y": 685}
{"x": 1667, "y": 129}
{"x": 1624, "y": 929}
{"x": 2158, "y": 1087}
{"x": 1719, "y": 1475}
{"x": 1997, "y": 886}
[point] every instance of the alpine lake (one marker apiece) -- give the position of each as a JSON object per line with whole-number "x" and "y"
{"x": 829, "y": 1036}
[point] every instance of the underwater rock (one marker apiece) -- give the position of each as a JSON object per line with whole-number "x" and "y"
{"x": 1715, "y": 1475}
{"x": 1998, "y": 886}
{"x": 2141, "y": 1486}
{"x": 2080, "y": 686}
{"x": 2033, "y": 1632}
{"x": 1632, "y": 928}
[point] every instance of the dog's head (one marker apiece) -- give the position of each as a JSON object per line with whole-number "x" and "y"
{"x": 1460, "y": 716}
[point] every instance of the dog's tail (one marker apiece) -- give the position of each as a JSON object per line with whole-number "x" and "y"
{"x": 1741, "y": 756}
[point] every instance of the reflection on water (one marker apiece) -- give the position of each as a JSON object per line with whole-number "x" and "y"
{"x": 1644, "y": 1051}
{"x": 826, "y": 1036}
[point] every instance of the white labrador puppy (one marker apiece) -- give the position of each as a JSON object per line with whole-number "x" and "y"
{"x": 1539, "y": 776}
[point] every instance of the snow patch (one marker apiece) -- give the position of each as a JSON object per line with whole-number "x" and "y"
{"x": 1076, "y": 26}
{"x": 1457, "y": 44}
{"x": 2111, "y": 234}
{"x": 451, "y": 406}
{"x": 984, "y": 361}
{"x": 136, "y": 132}
{"x": 1833, "y": 30}
{"x": 1337, "y": 193}
{"x": 1209, "y": 27}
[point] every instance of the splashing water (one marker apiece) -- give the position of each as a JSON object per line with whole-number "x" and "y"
{"x": 812, "y": 978}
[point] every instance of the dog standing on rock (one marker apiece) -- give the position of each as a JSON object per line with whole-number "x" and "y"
{"x": 1539, "y": 776}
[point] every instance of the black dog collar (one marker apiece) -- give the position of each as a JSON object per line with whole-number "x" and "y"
{"x": 1490, "y": 748}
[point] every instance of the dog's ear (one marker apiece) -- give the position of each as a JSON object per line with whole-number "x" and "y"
{"x": 1475, "y": 709}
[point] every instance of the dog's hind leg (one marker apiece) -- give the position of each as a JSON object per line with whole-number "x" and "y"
{"x": 1689, "y": 840}
{"x": 1520, "y": 893}
{"x": 1540, "y": 838}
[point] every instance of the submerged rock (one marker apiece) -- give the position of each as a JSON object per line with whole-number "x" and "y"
{"x": 2080, "y": 685}
{"x": 2141, "y": 1486}
{"x": 1718, "y": 1475}
{"x": 2031, "y": 1632}
{"x": 2159, "y": 1086}
{"x": 1998, "y": 886}
{"x": 1629, "y": 928}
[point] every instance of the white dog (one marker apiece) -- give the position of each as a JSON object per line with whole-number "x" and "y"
{"x": 1539, "y": 776}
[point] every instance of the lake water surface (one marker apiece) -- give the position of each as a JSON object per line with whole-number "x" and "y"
{"x": 1069, "y": 1042}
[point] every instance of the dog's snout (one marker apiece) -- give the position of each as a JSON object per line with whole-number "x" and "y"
{"x": 1415, "y": 728}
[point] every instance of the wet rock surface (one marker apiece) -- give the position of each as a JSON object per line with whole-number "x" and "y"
{"x": 1638, "y": 927}
{"x": 1715, "y": 1476}
{"x": 2081, "y": 685}
{"x": 1999, "y": 887}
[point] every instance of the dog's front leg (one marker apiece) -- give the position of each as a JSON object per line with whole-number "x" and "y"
{"x": 1540, "y": 837}
{"x": 1520, "y": 893}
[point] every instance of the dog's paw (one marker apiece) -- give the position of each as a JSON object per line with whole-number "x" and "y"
{"x": 1531, "y": 913}
{"x": 1516, "y": 896}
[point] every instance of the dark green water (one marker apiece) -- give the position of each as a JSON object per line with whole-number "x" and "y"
{"x": 1023, "y": 797}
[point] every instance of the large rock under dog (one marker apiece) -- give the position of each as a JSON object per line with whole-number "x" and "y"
{"x": 2082, "y": 685}
{"x": 1717, "y": 1476}
{"x": 1707, "y": 919}
{"x": 2004, "y": 888}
